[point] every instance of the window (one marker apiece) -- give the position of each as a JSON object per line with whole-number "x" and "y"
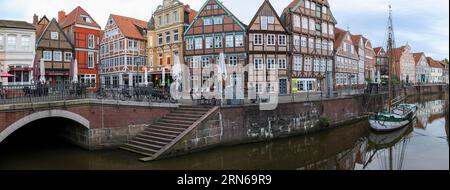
{"x": 324, "y": 28}
{"x": 205, "y": 62}
{"x": 47, "y": 56}
{"x": 313, "y": 6}
{"x": 296, "y": 21}
{"x": 271, "y": 20}
{"x": 304, "y": 23}
{"x": 229, "y": 41}
{"x": 258, "y": 63}
{"x": 233, "y": 61}
{"x": 239, "y": 40}
{"x": 160, "y": 20}
{"x": 12, "y": 42}
{"x": 323, "y": 65}
{"x": 218, "y": 20}
{"x": 270, "y": 39}
{"x": 167, "y": 19}
{"x": 198, "y": 43}
{"x": 282, "y": 40}
{"x": 196, "y": 62}
{"x": 167, "y": 37}
{"x": 297, "y": 41}
{"x": 218, "y": 41}
{"x": 57, "y": 56}
{"x": 86, "y": 19}
{"x": 259, "y": 88}
{"x": 175, "y": 36}
{"x": 304, "y": 41}
{"x": 209, "y": 42}
{"x": 308, "y": 63}
{"x": 297, "y": 63}
{"x": 264, "y": 23}
{"x": 324, "y": 44}
{"x": 175, "y": 16}
{"x": 318, "y": 11}
{"x": 1, "y": 42}
{"x": 207, "y": 21}
{"x": 54, "y": 35}
{"x": 89, "y": 79}
{"x": 91, "y": 60}
{"x": 68, "y": 56}
{"x": 311, "y": 43}
{"x": 307, "y": 4}
{"x": 25, "y": 42}
{"x": 282, "y": 63}
{"x": 257, "y": 39}
{"x": 208, "y": 7}
{"x": 189, "y": 44}
{"x": 216, "y": 6}
{"x": 271, "y": 64}
{"x": 91, "y": 41}
{"x": 318, "y": 44}
{"x": 316, "y": 65}
{"x": 330, "y": 29}
{"x": 312, "y": 24}
{"x": 160, "y": 39}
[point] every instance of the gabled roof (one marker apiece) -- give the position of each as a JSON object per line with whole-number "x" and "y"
{"x": 44, "y": 28}
{"x": 74, "y": 17}
{"x": 267, "y": 3}
{"x": 296, "y": 3}
{"x": 378, "y": 50}
{"x": 16, "y": 24}
{"x": 130, "y": 27}
{"x": 397, "y": 53}
{"x": 418, "y": 56}
{"x": 433, "y": 63}
{"x": 235, "y": 19}
{"x": 41, "y": 25}
{"x": 339, "y": 35}
{"x": 356, "y": 39}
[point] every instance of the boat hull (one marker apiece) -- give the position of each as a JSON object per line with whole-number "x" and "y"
{"x": 384, "y": 122}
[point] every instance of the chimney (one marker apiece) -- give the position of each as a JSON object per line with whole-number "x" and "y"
{"x": 35, "y": 19}
{"x": 61, "y": 16}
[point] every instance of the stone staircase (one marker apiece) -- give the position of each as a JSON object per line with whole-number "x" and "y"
{"x": 164, "y": 133}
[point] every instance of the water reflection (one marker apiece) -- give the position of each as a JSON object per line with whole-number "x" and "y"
{"x": 419, "y": 146}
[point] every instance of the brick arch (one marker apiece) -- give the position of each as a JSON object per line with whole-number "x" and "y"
{"x": 41, "y": 115}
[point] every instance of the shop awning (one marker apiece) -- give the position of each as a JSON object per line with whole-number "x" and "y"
{"x": 5, "y": 74}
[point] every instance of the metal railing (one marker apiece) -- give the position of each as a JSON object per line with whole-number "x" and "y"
{"x": 15, "y": 94}
{"x": 137, "y": 93}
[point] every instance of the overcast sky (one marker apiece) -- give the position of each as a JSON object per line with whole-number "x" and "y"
{"x": 422, "y": 24}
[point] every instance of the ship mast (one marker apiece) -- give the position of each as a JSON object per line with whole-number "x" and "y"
{"x": 390, "y": 54}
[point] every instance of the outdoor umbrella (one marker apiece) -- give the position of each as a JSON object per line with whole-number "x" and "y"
{"x": 163, "y": 76}
{"x": 222, "y": 73}
{"x": 145, "y": 75}
{"x": 75, "y": 72}
{"x": 42, "y": 71}
{"x": 5, "y": 74}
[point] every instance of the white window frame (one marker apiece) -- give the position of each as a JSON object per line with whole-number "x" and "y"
{"x": 271, "y": 41}
{"x": 207, "y": 21}
{"x": 258, "y": 63}
{"x": 297, "y": 21}
{"x": 47, "y": 55}
{"x": 282, "y": 64}
{"x": 271, "y": 64}
{"x": 91, "y": 41}
{"x": 54, "y": 35}
{"x": 239, "y": 40}
{"x": 209, "y": 42}
{"x": 233, "y": 61}
{"x": 264, "y": 23}
{"x": 297, "y": 63}
{"x": 11, "y": 42}
{"x": 282, "y": 40}
{"x": 57, "y": 56}
{"x": 90, "y": 64}
{"x": 67, "y": 56}
{"x": 218, "y": 20}
{"x": 189, "y": 43}
{"x": 198, "y": 44}
{"x": 258, "y": 39}
{"x": 218, "y": 41}
{"x": 229, "y": 40}
{"x": 1, "y": 42}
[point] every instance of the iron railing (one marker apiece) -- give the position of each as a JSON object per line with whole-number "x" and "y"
{"x": 14, "y": 94}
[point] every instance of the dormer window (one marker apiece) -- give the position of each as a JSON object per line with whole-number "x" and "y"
{"x": 86, "y": 19}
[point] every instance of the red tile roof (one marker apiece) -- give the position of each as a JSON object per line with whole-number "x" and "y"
{"x": 40, "y": 26}
{"x": 192, "y": 13}
{"x": 397, "y": 52}
{"x": 417, "y": 57}
{"x": 356, "y": 39}
{"x": 129, "y": 26}
{"x": 377, "y": 50}
{"x": 339, "y": 35}
{"x": 433, "y": 63}
{"x": 74, "y": 17}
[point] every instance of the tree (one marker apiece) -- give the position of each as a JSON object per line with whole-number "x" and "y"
{"x": 445, "y": 61}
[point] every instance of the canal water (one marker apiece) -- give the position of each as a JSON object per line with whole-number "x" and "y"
{"x": 423, "y": 145}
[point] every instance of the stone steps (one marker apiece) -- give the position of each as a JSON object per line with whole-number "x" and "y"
{"x": 154, "y": 139}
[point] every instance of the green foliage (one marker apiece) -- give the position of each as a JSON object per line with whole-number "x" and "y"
{"x": 324, "y": 121}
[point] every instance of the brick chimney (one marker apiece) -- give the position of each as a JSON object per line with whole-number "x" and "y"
{"x": 61, "y": 16}
{"x": 35, "y": 19}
